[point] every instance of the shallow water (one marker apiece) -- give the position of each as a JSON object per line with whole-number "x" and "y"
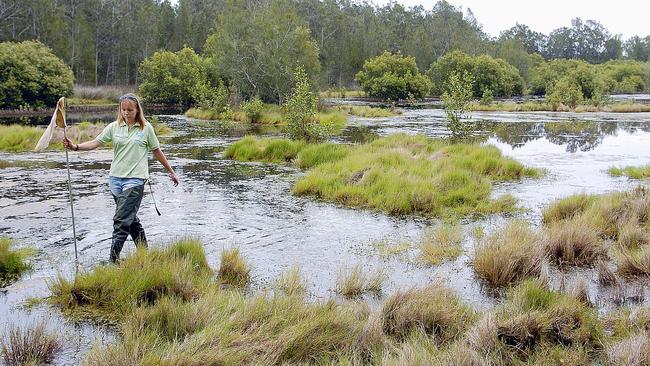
{"x": 249, "y": 205}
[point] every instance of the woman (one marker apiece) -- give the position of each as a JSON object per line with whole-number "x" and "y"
{"x": 133, "y": 138}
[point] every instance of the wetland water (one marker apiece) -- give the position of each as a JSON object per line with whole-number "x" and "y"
{"x": 249, "y": 205}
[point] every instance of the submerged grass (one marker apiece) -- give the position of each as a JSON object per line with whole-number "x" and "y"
{"x": 440, "y": 244}
{"x": 12, "y": 262}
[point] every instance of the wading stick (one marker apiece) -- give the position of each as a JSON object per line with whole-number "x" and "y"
{"x": 74, "y": 230}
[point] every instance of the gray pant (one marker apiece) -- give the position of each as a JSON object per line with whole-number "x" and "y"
{"x": 126, "y": 222}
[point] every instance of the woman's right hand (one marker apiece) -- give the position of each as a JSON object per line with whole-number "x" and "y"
{"x": 68, "y": 144}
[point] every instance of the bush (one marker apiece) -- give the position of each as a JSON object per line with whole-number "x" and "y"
{"x": 456, "y": 100}
{"x": 393, "y": 77}
{"x": 496, "y": 75}
{"x": 253, "y": 109}
{"x": 564, "y": 92}
{"x": 32, "y": 76}
{"x": 34, "y": 345}
{"x": 180, "y": 78}
{"x": 300, "y": 109}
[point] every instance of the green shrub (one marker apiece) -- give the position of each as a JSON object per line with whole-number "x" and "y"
{"x": 564, "y": 92}
{"x": 253, "y": 109}
{"x": 456, "y": 101}
{"x": 180, "y": 78}
{"x": 300, "y": 109}
{"x": 12, "y": 262}
{"x": 393, "y": 77}
{"x": 32, "y": 76}
{"x": 496, "y": 75}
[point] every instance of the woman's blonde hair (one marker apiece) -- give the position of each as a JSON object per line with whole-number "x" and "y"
{"x": 139, "y": 117}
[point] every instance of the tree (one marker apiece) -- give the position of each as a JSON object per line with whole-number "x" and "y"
{"x": 256, "y": 49}
{"x": 455, "y": 101}
{"x": 534, "y": 42}
{"x": 300, "y": 108}
{"x": 565, "y": 91}
{"x": 179, "y": 78}
{"x": 393, "y": 77}
{"x": 32, "y": 76}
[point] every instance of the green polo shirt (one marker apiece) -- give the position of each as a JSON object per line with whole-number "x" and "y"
{"x": 131, "y": 148}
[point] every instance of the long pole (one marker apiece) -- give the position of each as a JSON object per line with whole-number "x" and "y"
{"x": 74, "y": 230}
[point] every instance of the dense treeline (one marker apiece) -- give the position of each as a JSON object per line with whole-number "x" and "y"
{"x": 105, "y": 41}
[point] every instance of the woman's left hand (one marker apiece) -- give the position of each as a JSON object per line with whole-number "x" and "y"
{"x": 174, "y": 178}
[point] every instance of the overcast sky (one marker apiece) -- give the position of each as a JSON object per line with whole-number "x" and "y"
{"x": 626, "y": 17}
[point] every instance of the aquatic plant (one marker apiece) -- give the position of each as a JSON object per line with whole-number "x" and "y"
{"x": 17, "y": 138}
{"x": 109, "y": 291}
{"x": 509, "y": 255}
{"x": 368, "y": 111}
{"x": 632, "y": 172}
{"x": 353, "y": 282}
{"x": 574, "y": 242}
{"x": 402, "y": 174}
{"x": 440, "y": 244}
{"x": 632, "y": 351}
{"x": 291, "y": 283}
{"x": 12, "y": 262}
{"x": 567, "y": 207}
{"x": 32, "y": 345}
{"x": 233, "y": 270}
{"x": 434, "y": 310}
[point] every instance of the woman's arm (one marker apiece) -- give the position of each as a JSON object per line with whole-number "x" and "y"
{"x": 88, "y": 145}
{"x": 160, "y": 156}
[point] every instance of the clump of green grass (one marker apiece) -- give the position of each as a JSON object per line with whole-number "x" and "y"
{"x": 628, "y": 108}
{"x": 509, "y": 255}
{"x": 567, "y": 207}
{"x": 34, "y": 345}
{"x": 634, "y": 261}
{"x": 369, "y": 112}
{"x": 574, "y": 242}
{"x": 332, "y": 121}
{"x": 291, "y": 283}
{"x": 632, "y": 172}
{"x": 17, "y": 138}
{"x": 316, "y": 154}
{"x": 403, "y": 174}
{"x": 440, "y": 244}
{"x": 434, "y": 310}
{"x": 233, "y": 270}
{"x": 538, "y": 326}
{"x": 109, "y": 292}
{"x": 200, "y": 113}
{"x": 12, "y": 262}
{"x": 251, "y": 148}
{"x": 355, "y": 281}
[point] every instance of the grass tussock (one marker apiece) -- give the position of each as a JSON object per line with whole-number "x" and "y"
{"x": 34, "y": 345}
{"x": 567, "y": 207}
{"x": 17, "y": 138}
{"x": 109, "y": 292}
{"x": 441, "y": 244}
{"x": 509, "y": 255}
{"x": 355, "y": 282}
{"x": 573, "y": 242}
{"x": 434, "y": 310}
{"x": 12, "y": 262}
{"x": 291, "y": 283}
{"x": 539, "y": 327}
{"x": 304, "y": 155}
{"x": 233, "y": 270}
{"x": 402, "y": 174}
{"x": 632, "y": 351}
{"x": 583, "y": 229}
{"x": 369, "y": 112}
{"x": 632, "y": 172}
